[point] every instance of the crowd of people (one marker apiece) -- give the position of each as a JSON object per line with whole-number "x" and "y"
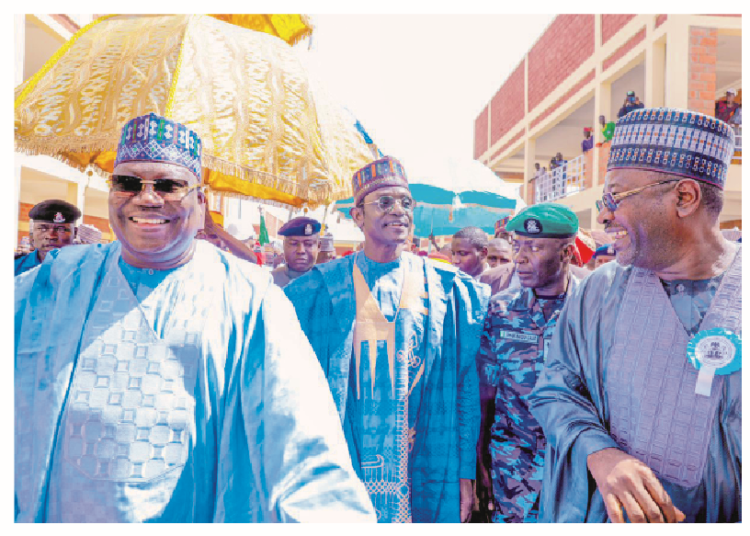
{"x": 162, "y": 378}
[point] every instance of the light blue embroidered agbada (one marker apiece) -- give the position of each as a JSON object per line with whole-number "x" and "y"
{"x": 188, "y": 395}
{"x": 410, "y": 412}
{"x": 573, "y": 401}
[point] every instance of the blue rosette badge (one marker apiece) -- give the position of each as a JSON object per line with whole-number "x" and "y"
{"x": 714, "y": 351}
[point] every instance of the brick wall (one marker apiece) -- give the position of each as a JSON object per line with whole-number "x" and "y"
{"x": 507, "y": 107}
{"x": 559, "y": 102}
{"x": 603, "y": 159}
{"x": 629, "y": 45}
{"x": 481, "y": 125}
{"x": 530, "y": 191}
{"x": 661, "y": 19}
{"x": 702, "y": 83}
{"x": 611, "y": 24}
{"x": 100, "y": 223}
{"x": 567, "y": 43}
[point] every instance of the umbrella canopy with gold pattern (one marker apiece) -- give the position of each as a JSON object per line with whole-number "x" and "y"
{"x": 267, "y": 133}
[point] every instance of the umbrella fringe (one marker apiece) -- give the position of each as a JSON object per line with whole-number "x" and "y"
{"x": 59, "y": 149}
{"x": 314, "y": 196}
{"x": 42, "y": 149}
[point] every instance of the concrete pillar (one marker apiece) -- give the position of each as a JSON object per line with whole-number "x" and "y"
{"x": 76, "y": 196}
{"x": 655, "y": 73}
{"x": 529, "y": 157}
{"x": 677, "y": 61}
{"x": 602, "y": 106}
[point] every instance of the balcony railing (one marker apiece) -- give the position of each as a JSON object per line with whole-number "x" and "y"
{"x": 561, "y": 181}
{"x": 737, "y": 143}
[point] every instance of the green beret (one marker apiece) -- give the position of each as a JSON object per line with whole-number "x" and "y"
{"x": 544, "y": 220}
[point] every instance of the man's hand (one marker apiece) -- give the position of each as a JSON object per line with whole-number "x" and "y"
{"x": 467, "y": 499}
{"x": 625, "y": 481}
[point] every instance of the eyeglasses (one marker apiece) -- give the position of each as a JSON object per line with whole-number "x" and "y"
{"x": 167, "y": 189}
{"x": 386, "y": 203}
{"x": 611, "y": 201}
{"x": 60, "y": 229}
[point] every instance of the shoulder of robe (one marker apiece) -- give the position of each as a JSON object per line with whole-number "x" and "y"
{"x": 595, "y": 288}
{"x": 65, "y": 261}
{"x": 237, "y": 270}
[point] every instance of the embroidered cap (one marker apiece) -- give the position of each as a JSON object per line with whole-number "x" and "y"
{"x": 379, "y": 174}
{"x": 55, "y": 211}
{"x": 300, "y": 226}
{"x": 679, "y": 142}
{"x": 544, "y": 220}
{"x": 152, "y": 138}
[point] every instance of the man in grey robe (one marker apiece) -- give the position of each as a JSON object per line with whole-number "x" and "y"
{"x": 640, "y": 398}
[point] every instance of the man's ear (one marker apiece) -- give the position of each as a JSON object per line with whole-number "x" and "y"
{"x": 688, "y": 197}
{"x": 357, "y": 214}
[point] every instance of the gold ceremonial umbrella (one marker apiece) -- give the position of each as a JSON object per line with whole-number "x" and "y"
{"x": 267, "y": 134}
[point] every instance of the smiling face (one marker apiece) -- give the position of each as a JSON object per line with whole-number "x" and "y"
{"x": 641, "y": 226}
{"x": 156, "y": 233}
{"x": 541, "y": 263}
{"x": 384, "y": 229}
{"x": 301, "y": 252}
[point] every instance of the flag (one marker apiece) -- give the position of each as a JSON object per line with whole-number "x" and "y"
{"x": 263, "y": 234}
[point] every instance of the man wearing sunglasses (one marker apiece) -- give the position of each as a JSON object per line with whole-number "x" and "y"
{"x": 159, "y": 378}
{"x": 397, "y": 336}
{"x": 53, "y": 226}
{"x": 640, "y": 396}
{"x": 514, "y": 346}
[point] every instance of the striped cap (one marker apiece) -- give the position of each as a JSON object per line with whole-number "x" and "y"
{"x": 679, "y": 142}
{"x": 152, "y": 138}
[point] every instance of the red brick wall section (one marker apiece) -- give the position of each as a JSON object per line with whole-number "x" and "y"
{"x": 481, "y": 125}
{"x": 611, "y": 24}
{"x": 567, "y": 43}
{"x": 661, "y": 19}
{"x": 100, "y": 223}
{"x": 510, "y": 175}
{"x": 507, "y": 107}
{"x": 702, "y": 83}
{"x": 624, "y": 49}
{"x": 575, "y": 89}
{"x": 513, "y": 140}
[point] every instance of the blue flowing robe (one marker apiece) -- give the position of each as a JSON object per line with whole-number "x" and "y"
{"x": 447, "y": 419}
{"x": 26, "y": 263}
{"x": 570, "y": 403}
{"x": 264, "y": 441}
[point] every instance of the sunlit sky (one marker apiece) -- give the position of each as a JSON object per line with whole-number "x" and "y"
{"x": 417, "y": 82}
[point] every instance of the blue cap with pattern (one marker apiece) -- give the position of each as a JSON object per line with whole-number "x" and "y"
{"x": 679, "y": 142}
{"x": 152, "y": 138}
{"x": 379, "y": 174}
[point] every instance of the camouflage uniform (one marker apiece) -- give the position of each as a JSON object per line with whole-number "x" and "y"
{"x": 510, "y": 358}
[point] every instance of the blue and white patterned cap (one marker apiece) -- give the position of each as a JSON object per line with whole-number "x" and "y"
{"x": 152, "y": 138}
{"x": 679, "y": 142}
